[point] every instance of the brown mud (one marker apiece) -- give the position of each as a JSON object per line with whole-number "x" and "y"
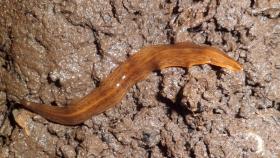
{"x": 56, "y": 52}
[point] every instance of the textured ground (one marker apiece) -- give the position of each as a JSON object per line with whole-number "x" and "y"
{"x": 55, "y": 52}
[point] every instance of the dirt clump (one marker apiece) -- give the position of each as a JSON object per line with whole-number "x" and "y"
{"x": 56, "y": 52}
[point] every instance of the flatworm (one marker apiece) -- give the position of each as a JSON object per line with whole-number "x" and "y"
{"x": 136, "y": 68}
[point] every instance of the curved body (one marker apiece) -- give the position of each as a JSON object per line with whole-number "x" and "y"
{"x": 136, "y": 68}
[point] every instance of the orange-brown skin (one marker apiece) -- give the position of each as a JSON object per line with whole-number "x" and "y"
{"x": 136, "y": 68}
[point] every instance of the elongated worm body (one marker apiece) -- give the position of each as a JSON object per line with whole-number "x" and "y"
{"x": 136, "y": 68}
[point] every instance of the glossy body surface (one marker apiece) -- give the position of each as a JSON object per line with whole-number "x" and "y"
{"x": 136, "y": 68}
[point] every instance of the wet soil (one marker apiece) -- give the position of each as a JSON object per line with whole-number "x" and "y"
{"x": 55, "y": 52}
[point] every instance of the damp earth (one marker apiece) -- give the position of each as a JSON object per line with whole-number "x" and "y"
{"x": 56, "y": 52}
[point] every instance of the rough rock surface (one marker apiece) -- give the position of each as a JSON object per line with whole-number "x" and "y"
{"x": 55, "y": 52}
